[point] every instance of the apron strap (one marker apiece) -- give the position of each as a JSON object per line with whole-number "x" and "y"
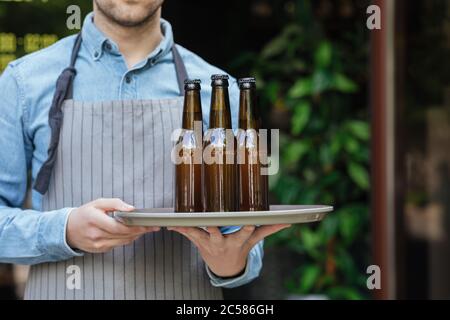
{"x": 55, "y": 118}
{"x": 180, "y": 69}
{"x": 73, "y": 59}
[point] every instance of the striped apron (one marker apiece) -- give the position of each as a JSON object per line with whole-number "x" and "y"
{"x": 117, "y": 149}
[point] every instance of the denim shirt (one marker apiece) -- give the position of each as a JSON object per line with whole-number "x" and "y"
{"x": 27, "y": 86}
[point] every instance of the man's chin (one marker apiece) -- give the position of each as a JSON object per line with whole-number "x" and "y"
{"x": 131, "y": 22}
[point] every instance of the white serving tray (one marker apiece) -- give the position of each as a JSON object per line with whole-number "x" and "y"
{"x": 278, "y": 214}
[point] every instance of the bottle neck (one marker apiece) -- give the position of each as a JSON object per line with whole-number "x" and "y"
{"x": 220, "y": 116}
{"x": 192, "y": 109}
{"x": 248, "y": 116}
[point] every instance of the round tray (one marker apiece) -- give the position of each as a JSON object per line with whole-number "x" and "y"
{"x": 278, "y": 214}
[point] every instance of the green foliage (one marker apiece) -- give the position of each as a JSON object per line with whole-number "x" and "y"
{"x": 324, "y": 154}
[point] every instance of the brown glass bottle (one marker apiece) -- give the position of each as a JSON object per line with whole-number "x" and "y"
{"x": 219, "y": 152}
{"x": 253, "y": 185}
{"x": 188, "y": 170}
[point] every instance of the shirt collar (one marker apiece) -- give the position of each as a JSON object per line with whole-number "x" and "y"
{"x": 98, "y": 43}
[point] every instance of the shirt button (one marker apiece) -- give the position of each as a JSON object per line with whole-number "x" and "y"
{"x": 108, "y": 46}
{"x": 128, "y": 79}
{"x": 96, "y": 54}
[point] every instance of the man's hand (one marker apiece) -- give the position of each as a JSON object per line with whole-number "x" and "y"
{"x": 226, "y": 255}
{"x": 90, "y": 229}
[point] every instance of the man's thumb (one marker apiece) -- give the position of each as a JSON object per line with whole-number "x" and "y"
{"x": 112, "y": 204}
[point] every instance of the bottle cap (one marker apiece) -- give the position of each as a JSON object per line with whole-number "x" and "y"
{"x": 219, "y": 80}
{"x": 192, "y": 84}
{"x": 246, "y": 83}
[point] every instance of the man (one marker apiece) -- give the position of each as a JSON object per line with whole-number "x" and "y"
{"x": 91, "y": 117}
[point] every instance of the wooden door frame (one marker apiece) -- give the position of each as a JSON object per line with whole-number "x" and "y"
{"x": 383, "y": 155}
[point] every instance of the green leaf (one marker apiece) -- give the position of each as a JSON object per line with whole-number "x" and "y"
{"x": 309, "y": 238}
{"x": 359, "y": 129}
{"x": 309, "y": 277}
{"x": 351, "y": 145}
{"x": 294, "y": 152}
{"x": 300, "y": 118}
{"x": 321, "y": 81}
{"x": 341, "y": 83}
{"x": 349, "y": 224}
{"x": 301, "y": 88}
{"x": 359, "y": 175}
{"x": 330, "y": 226}
{"x": 323, "y": 54}
{"x": 362, "y": 155}
{"x": 326, "y": 155}
{"x": 336, "y": 144}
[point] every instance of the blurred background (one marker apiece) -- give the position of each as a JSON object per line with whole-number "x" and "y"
{"x": 365, "y": 122}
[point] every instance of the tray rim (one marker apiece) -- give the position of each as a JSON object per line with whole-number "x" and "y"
{"x": 167, "y": 213}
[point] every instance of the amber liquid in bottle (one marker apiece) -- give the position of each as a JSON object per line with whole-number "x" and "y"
{"x": 253, "y": 185}
{"x": 188, "y": 173}
{"x": 221, "y": 187}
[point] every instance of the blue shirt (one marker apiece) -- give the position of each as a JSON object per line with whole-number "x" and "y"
{"x": 27, "y": 86}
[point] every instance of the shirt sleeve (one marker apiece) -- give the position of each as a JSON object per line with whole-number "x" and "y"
{"x": 252, "y": 270}
{"x": 26, "y": 236}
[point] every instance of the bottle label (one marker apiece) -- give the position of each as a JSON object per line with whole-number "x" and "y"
{"x": 219, "y": 147}
{"x": 188, "y": 146}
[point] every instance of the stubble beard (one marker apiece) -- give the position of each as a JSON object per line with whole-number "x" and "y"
{"x": 113, "y": 16}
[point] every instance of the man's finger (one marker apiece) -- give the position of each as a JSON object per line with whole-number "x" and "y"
{"x": 215, "y": 234}
{"x": 112, "y": 204}
{"x": 112, "y": 226}
{"x": 128, "y": 235}
{"x": 242, "y": 235}
{"x": 112, "y": 243}
{"x": 265, "y": 231}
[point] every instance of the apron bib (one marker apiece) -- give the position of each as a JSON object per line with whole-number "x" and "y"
{"x": 118, "y": 149}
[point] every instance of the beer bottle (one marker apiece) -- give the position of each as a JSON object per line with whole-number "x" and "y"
{"x": 253, "y": 185}
{"x": 188, "y": 170}
{"x": 220, "y": 151}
